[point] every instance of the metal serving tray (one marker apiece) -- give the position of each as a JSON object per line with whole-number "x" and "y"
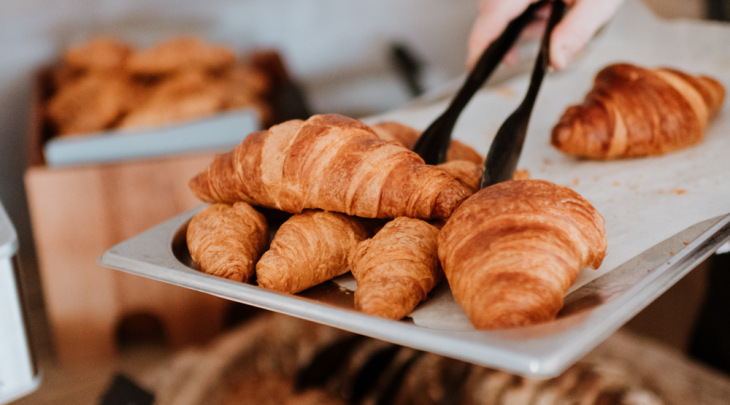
{"x": 591, "y": 314}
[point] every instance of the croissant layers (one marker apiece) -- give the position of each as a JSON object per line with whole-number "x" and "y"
{"x": 227, "y": 240}
{"x": 512, "y": 250}
{"x": 308, "y": 249}
{"x": 396, "y": 268}
{"x": 333, "y": 163}
{"x": 632, "y": 112}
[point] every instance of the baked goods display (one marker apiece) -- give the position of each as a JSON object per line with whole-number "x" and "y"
{"x": 371, "y": 206}
{"x": 227, "y": 240}
{"x": 512, "y": 250}
{"x": 632, "y": 111}
{"x": 396, "y": 269}
{"x": 332, "y": 163}
{"x": 308, "y": 249}
{"x": 105, "y": 84}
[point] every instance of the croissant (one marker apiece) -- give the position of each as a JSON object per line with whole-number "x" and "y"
{"x": 308, "y": 249}
{"x": 470, "y": 175}
{"x": 407, "y": 136}
{"x": 227, "y": 240}
{"x": 396, "y": 268}
{"x": 632, "y": 112}
{"x": 178, "y": 54}
{"x": 512, "y": 250}
{"x": 465, "y": 172}
{"x": 333, "y": 163}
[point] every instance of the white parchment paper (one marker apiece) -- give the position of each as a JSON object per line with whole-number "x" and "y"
{"x": 643, "y": 201}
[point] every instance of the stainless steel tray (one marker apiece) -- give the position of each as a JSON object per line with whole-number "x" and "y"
{"x": 591, "y": 314}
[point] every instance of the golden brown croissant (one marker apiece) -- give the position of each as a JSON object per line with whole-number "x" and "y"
{"x": 632, "y": 111}
{"x": 407, "y": 136}
{"x": 308, "y": 249}
{"x": 226, "y": 241}
{"x": 187, "y": 95}
{"x": 396, "y": 268}
{"x": 465, "y": 172}
{"x": 177, "y": 54}
{"x": 332, "y": 163}
{"x": 91, "y": 103}
{"x": 470, "y": 175}
{"x": 98, "y": 54}
{"x": 512, "y": 250}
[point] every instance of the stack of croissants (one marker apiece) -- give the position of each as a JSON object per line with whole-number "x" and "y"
{"x": 363, "y": 202}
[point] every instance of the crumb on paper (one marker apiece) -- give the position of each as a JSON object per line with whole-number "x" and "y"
{"x": 576, "y": 181}
{"x": 685, "y": 243}
{"x": 505, "y": 91}
{"x": 671, "y": 253}
{"x": 616, "y": 183}
{"x": 611, "y": 200}
{"x": 547, "y": 161}
{"x": 678, "y": 191}
{"x": 523, "y": 174}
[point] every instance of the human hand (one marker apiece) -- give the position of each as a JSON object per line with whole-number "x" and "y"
{"x": 570, "y": 35}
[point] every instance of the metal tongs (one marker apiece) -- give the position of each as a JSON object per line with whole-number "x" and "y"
{"x": 507, "y": 144}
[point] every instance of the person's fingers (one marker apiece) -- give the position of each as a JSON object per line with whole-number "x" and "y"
{"x": 577, "y": 28}
{"x": 494, "y": 15}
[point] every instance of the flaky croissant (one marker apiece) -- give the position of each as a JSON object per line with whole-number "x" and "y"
{"x": 332, "y": 163}
{"x": 396, "y": 268}
{"x": 308, "y": 249}
{"x": 463, "y": 163}
{"x": 632, "y": 112}
{"x": 512, "y": 250}
{"x": 227, "y": 240}
{"x": 407, "y": 136}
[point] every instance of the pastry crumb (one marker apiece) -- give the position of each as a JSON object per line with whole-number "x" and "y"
{"x": 678, "y": 191}
{"x": 576, "y": 181}
{"x": 616, "y": 183}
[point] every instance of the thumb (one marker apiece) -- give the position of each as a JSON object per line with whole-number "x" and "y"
{"x": 578, "y": 27}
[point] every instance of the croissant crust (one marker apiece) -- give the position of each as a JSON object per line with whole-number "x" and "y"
{"x": 226, "y": 241}
{"x": 396, "y": 268}
{"x": 308, "y": 249}
{"x": 632, "y": 111}
{"x": 512, "y": 250}
{"x": 332, "y": 163}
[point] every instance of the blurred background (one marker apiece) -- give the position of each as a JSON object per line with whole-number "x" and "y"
{"x": 347, "y": 57}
